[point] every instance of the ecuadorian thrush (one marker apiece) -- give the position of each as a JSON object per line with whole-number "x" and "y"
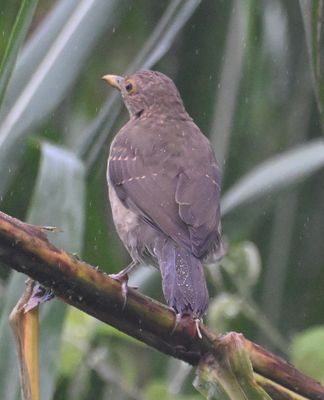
{"x": 164, "y": 189}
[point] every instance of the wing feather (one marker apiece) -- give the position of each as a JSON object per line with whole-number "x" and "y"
{"x": 198, "y": 196}
{"x": 181, "y": 202}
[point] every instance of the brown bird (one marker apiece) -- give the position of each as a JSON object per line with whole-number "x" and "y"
{"x": 164, "y": 189}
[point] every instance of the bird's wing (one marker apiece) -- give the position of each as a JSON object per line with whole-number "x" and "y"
{"x": 198, "y": 196}
{"x": 146, "y": 190}
{"x": 184, "y": 206}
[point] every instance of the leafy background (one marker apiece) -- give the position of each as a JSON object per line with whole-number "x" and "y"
{"x": 251, "y": 75}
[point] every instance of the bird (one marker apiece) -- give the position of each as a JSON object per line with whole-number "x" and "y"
{"x": 164, "y": 189}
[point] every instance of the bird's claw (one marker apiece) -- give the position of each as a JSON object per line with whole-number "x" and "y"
{"x": 186, "y": 320}
{"x": 197, "y": 322}
{"x": 123, "y": 279}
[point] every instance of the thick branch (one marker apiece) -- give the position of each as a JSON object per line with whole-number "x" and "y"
{"x": 26, "y": 249}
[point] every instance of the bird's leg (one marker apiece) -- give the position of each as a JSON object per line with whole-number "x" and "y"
{"x": 197, "y": 322}
{"x": 123, "y": 274}
{"x": 186, "y": 319}
{"x": 122, "y": 277}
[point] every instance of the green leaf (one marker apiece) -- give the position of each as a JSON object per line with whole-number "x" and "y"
{"x": 65, "y": 54}
{"x": 52, "y": 76}
{"x": 307, "y": 352}
{"x": 222, "y": 310}
{"x": 227, "y": 373}
{"x": 58, "y": 200}
{"x": 172, "y": 21}
{"x": 36, "y": 47}
{"x": 243, "y": 264}
{"x": 228, "y": 88}
{"x": 17, "y": 36}
{"x": 59, "y": 197}
{"x": 277, "y": 173}
{"x": 313, "y": 14}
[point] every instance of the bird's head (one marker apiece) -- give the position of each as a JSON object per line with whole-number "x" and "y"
{"x": 148, "y": 91}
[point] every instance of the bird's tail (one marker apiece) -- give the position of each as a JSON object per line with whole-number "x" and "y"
{"x": 183, "y": 279}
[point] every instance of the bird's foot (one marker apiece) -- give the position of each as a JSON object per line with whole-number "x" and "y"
{"x": 190, "y": 322}
{"x": 197, "y": 323}
{"x": 122, "y": 277}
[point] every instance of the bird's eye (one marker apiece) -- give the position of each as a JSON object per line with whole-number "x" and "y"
{"x": 129, "y": 87}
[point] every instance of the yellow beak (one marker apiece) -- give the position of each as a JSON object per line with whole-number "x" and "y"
{"x": 113, "y": 80}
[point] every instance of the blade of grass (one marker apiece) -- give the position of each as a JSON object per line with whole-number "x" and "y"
{"x": 34, "y": 102}
{"x": 285, "y": 213}
{"x": 313, "y": 16}
{"x": 33, "y": 51}
{"x": 54, "y": 75}
{"x": 276, "y": 173}
{"x": 17, "y": 36}
{"x": 227, "y": 94}
{"x": 59, "y": 200}
{"x": 172, "y": 21}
